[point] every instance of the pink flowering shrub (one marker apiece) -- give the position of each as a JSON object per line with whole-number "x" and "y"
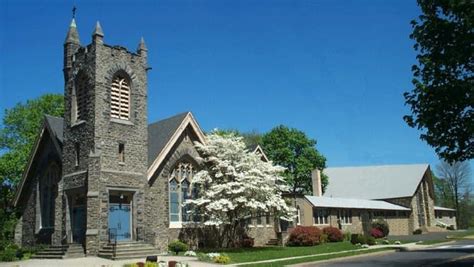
{"x": 376, "y": 233}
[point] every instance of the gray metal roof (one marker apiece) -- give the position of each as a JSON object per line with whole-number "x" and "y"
{"x": 351, "y": 203}
{"x": 56, "y": 126}
{"x": 374, "y": 182}
{"x": 160, "y": 132}
{"x": 443, "y": 208}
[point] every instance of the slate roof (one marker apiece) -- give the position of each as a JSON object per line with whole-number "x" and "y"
{"x": 374, "y": 182}
{"x": 160, "y": 132}
{"x": 56, "y": 126}
{"x": 329, "y": 202}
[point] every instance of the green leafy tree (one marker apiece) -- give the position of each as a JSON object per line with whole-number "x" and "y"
{"x": 17, "y": 134}
{"x": 292, "y": 149}
{"x": 20, "y": 130}
{"x": 442, "y": 101}
{"x": 456, "y": 179}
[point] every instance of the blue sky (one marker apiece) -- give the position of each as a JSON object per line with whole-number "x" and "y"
{"x": 333, "y": 69}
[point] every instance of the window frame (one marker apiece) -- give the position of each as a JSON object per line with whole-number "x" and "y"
{"x": 120, "y": 97}
{"x": 181, "y": 178}
{"x": 320, "y": 216}
{"x": 344, "y": 216}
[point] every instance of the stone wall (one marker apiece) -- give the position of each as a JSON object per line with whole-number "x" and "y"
{"x": 446, "y": 217}
{"x": 361, "y": 219}
{"x": 157, "y": 194}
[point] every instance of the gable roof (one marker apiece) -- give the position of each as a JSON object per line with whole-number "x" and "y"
{"x": 351, "y": 203}
{"x": 255, "y": 148}
{"x": 56, "y": 126}
{"x": 163, "y": 147}
{"x": 52, "y": 126}
{"x": 375, "y": 182}
{"x": 160, "y": 132}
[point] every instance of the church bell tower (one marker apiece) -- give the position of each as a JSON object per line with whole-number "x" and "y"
{"x": 105, "y": 141}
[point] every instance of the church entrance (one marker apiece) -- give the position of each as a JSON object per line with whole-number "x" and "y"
{"x": 120, "y": 215}
{"x": 78, "y": 218}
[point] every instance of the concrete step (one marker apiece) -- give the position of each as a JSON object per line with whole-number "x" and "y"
{"x": 36, "y": 256}
{"x": 127, "y": 250}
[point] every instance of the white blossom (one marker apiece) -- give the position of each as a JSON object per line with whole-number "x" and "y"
{"x": 235, "y": 183}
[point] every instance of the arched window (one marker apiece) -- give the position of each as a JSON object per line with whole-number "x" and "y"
{"x": 179, "y": 191}
{"x": 120, "y": 98}
{"x": 47, "y": 184}
{"x": 79, "y": 98}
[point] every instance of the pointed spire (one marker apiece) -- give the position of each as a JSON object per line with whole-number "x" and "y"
{"x": 98, "y": 30}
{"x": 72, "y": 34}
{"x": 142, "y": 46}
{"x": 98, "y": 34}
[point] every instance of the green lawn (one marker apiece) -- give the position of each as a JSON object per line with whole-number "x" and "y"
{"x": 316, "y": 258}
{"x": 267, "y": 253}
{"x": 468, "y": 232}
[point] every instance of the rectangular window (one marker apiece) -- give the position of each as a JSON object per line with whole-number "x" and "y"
{"x": 267, "y": 218}
{"x": 248, "y": 220}
{"x": 76, "y": 153}
{"x": 344, "y": 216}
{"x": 320, "y": 216}
{"x": 121, "y": 152}
{"x": 259, "y": 218}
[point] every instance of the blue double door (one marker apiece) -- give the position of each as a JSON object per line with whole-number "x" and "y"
{"x": 120, "y": 217}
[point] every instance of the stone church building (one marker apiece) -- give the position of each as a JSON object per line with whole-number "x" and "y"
{"x": 102, "y": 175}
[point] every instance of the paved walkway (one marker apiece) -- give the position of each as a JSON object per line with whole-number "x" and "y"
{"x": 192, "y": 261}
{"x": 99, "y": 262}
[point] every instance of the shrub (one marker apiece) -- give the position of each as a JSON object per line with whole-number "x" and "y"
{"x": 451, "y": 227}
{"x": 304, "y": 236}
{"x": 382, "y": 225}
{"x": 386, "y": 242}
{"x": 177, "y": 246}
{"x": 370, "y": 240}
{"x": 354, "y": 239}
{"x": 358, "y": 239}
{"x": 417, "y": 232}
{"x": 202, "y": 257}
{"x": 8, "y": 254}
{"x": 361, "y": 239}
{"x": 347, "y": 236}
{"x": 333, "y": 233}
{"x": 376, "y": 233}
{"x": 323, "y": 239}
{"x": 222, "y": 259}
{"x": 247, "y": 241}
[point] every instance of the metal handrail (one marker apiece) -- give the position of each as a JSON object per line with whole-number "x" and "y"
{"x": 113, "y": 240}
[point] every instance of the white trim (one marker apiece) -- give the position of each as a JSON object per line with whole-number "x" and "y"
{"x": 260, "y": 150}
{"x": 188, "y": 120}
{"x": 28, "y": 166}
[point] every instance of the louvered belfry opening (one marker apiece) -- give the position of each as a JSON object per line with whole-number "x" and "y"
{"x": 80, "y": 98}
{"x": 120, "y": 98}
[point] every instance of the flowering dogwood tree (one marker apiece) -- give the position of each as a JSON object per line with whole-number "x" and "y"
{"x": 234, "y": 184}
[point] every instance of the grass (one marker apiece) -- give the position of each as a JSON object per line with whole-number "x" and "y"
{"x": 268, "y": 253}
{"x": 317, "y": 258}
{"x": 392, "y": 241}
{"x": 461, "y": 234}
